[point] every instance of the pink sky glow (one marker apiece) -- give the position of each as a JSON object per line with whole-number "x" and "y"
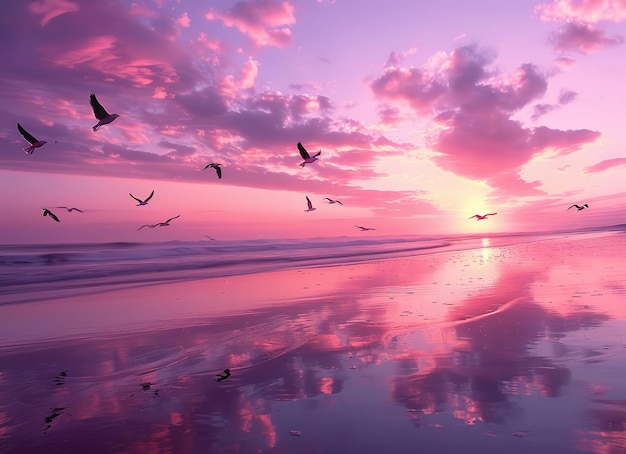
{"x": 426, "y": 114}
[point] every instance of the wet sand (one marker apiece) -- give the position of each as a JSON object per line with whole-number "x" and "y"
{"x": 499, "y": 349}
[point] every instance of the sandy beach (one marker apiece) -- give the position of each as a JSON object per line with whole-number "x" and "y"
{"x": 510, "y": 349}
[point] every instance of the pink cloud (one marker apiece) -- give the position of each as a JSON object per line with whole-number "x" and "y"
{"x": 606, "y": 164}
{"x": 564, "y": 63}
{"x": 415, "y": 86}
{"x": 265, "y": 21}
{"x": 389, "y": 115}
{"x": 52, "y": 8}
{"x": 583, "y": 10}
{"x": 184, "y": 20}
{"x": 583, "y": 38}
{"x": 472, "y": 108}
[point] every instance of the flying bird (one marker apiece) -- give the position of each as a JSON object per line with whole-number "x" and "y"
{"x": 215, "y": 166}
{"x": 224, "y": 376}
{"x": 579, "y": 207}
{"x": 159, "y": 224}
{"x": 480, "y": 218}
{"x": 47, "y": 212}
{"x": 308, "y": 159}
{"x": 363, "y": 229}
{"x": 100, "y": 112}
{"x": 210, "y": 238}
{"x": 331, "y": 201}
{"x": 143, "y": 202}
{"x": 34, "y": 143}
{"x": 309, "y": 204}
{"x": 69, "y": 210}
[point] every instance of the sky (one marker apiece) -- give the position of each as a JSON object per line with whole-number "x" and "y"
{"x": 426, "y": 113}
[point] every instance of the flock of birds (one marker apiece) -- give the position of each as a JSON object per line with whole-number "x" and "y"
{"x": 105, "y": 118}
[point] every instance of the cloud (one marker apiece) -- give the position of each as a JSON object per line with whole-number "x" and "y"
{"x": 471, "y": 107}
{"x": 606, "y": 164}
{"x": 389, "y": 115}
{"x": 565, "y": 97}
{"x": 184, "y": 20}
{"x": 583, "y": 10}
{"x": 539, "y": 110}
{"x": 583, "y": 38}
{"x": 52, "y": 8}
{"x": 264, "y": 21}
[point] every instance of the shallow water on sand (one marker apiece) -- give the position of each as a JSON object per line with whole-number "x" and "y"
{"x": 497, "y": 349}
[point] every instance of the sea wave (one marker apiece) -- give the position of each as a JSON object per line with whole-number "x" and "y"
{"x": 28, "y": 269}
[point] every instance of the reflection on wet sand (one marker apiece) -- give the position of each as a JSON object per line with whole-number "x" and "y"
{"x": 473, "y": 351}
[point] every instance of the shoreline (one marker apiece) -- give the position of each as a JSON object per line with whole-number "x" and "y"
{"x": 52, "y": 288}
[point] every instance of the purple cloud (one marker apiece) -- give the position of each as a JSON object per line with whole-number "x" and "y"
{"x": 583, "y": 38}
{"x": 472, "y": 108}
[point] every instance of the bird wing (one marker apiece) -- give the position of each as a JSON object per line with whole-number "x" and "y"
{"x": 207, "y": 166}
{"x": 303, "y": 152}
{"x": 146, "y": 225}
{"x": 490, "y": 214}
{"x": 150, "y": 196}
{"x": 475, "y": 216}
{"x": 317, "y": 154}
{"x": 573, "y": 206}
{"x": 171, "y": 219}
{"x": 29, "y": 138}
{"x": 99, "y": 111}
{"x": 47, "y": 212}
{"x": 308, "y": 202}
{"x": 76, "y": 209}
{"x": 339, "y": 202}
{"x": 219, "y": 172}
{"x": 138, "y": 200}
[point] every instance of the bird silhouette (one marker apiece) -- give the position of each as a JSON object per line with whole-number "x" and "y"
{"x": 34, "y": 143}
{"x": 217, "y": 168}
{"x": 100, "y": 112}
{"x": 224, "y": 376}
{"x": 47, "y": 212}
{"x": 143, "y": 202}
{"x": 481, "y": 217}
{"x": 308, "y": 159}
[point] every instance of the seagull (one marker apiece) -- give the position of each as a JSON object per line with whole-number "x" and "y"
{"x": 210, "y": 238}
{"x": 143, "y": 202}
{"x": 166, "y": 223}
{"x": 47, "y": 212}
{"x": 331, "y": 201}
{"x": 310, "y": 205}
{"x": 308, "y": 159}
{"x": 579, "y": 207}
{"x": 34, "y": 143}
{"x": 363, "y": 229}
{"x": 69, "y": 210}
{"x": 216, "y": 166}
{"x": 148, "y": 225}
{"x": 224, "y": 376}
{"x": 100, "y": 112}
{"x": 159, "y": 224}
{"x": 480, "y": 218}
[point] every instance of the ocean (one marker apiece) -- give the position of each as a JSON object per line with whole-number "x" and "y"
{"x": 63, "y": 269}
